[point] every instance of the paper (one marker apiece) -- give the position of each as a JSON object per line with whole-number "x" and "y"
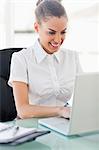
{"x": 4, "y": 126}
{"x": 13, "y": 133}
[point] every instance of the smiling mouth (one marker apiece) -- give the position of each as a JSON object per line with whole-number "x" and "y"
{"x": 54, "y": 45}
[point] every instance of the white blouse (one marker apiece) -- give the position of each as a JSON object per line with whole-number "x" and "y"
{"x": 50, "y": 78}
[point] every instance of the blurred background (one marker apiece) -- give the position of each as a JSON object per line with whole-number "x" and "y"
{"x": 17, "y": 19}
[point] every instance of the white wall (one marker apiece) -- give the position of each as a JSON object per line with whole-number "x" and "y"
{"x": 6, "y": 24}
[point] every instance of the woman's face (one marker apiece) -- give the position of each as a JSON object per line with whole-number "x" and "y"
{"x": 52, "y": 33}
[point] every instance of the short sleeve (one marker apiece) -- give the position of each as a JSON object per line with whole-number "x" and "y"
{"x": 18, "y": 69}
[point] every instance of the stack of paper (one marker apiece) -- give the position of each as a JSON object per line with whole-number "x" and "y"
{"x": 16, "y": 134}
{"x": 4, "y": 126}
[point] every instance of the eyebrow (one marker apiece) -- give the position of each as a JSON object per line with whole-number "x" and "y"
{"x": 56, "y": 31}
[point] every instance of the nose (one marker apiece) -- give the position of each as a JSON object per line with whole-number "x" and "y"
{"x": 58, "y": 38}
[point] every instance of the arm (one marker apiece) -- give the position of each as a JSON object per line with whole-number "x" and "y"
{"x": 26, "y": 110}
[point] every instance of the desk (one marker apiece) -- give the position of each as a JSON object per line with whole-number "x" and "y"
{"x": 55, "y": 141}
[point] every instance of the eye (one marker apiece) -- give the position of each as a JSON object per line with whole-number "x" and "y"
{"x": 51, "y": 33}
{"x": 64, "y": 32}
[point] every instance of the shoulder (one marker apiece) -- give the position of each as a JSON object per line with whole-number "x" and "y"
{"x": 23, "y": 54}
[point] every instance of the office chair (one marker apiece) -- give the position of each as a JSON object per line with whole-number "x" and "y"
{"x": 7, "y": 105}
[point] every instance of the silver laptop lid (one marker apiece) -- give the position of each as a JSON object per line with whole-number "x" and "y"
{"x": 85, "y": 109}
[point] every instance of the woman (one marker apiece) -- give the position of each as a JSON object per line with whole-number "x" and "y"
{"x": 42, "y": 76}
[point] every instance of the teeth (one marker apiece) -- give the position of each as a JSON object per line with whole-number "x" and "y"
{"x": 55, "y": 45}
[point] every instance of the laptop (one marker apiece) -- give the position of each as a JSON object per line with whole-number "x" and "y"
{"x": 84, "y": 117}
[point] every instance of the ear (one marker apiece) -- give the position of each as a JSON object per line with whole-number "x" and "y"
{"x": 36, "y": 26}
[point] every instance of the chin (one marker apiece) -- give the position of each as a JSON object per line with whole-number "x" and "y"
{"x": 55, "y": 50}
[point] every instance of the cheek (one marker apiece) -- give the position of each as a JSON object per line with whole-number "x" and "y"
{"x": 63, "y": 38}
{"x": 47, "y": 38}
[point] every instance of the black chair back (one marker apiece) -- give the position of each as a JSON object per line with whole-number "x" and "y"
{"x": 7, "y": 104}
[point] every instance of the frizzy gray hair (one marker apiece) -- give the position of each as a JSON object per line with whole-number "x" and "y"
{"x": 49, "y": 8}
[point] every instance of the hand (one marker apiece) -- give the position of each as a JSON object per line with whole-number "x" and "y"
{"x": 65, "y": 112}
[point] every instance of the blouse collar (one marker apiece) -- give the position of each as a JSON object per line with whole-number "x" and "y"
{"x": 41, "y": 54}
